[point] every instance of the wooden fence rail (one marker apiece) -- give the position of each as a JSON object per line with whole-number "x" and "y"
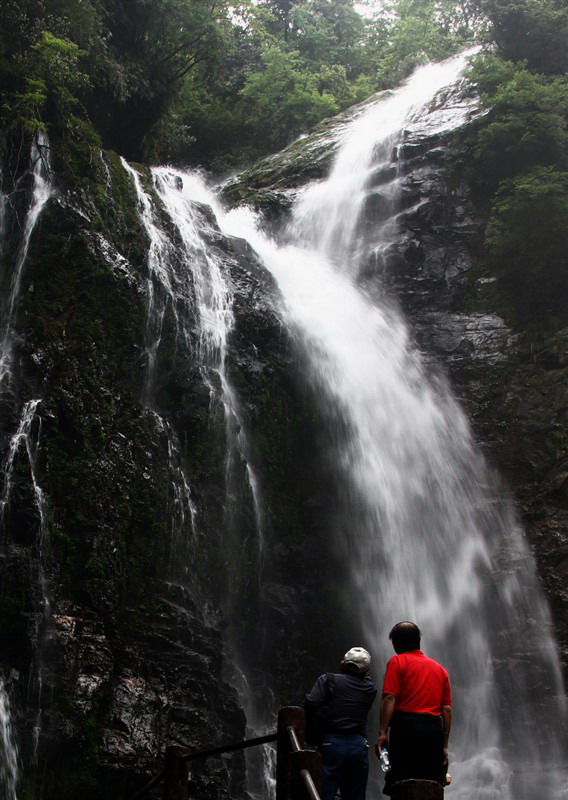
{"x": 298, "y": 771}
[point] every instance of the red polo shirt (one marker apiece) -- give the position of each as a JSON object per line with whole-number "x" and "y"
{"x": 418, "y": 683}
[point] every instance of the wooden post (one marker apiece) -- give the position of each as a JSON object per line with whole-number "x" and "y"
{"x": 289, "y": 715}
{"x": 176, "y": 773}
{"x": 309, "y": 760}
{"x": 417, "y": 790}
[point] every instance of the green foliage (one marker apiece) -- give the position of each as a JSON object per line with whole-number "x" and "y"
{"x": 214, "y": 81}
{"x": 25, "y": 108}
{"x": 518, "y": 168}
{"x": 329, "y": 33}
{"x": 283, "y": 99}
{"x": 527, "y": 244}
{"x": 196, "y": 80}
{"x": 50, "y": 73}
{"x": 527, "y": 123}
{"x": 57, "y": 61}
{"x": 424, "y": 30}
{"x": 308, "y": 57}
{"x": 135, "y": 56}
{"x": 535, "y": 31}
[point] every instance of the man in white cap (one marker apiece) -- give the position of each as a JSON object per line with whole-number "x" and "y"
{"x": 341, "y": 702}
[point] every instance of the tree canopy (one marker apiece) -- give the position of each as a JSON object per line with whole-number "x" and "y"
{"x": 518, "y": 168}
{"x": 199, "y": 80}
{"x": 220, "y": 83}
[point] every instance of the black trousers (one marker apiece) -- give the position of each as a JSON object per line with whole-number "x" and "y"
{"x": 416, "y": 749}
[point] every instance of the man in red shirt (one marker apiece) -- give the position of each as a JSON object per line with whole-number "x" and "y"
{"x": 417, "y": 707}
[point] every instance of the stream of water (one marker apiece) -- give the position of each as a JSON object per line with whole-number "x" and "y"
{"x": 426, "y": 529}
{"x": 23, "y": 447}
{"x": 8, "y": 749}
{"x": 186, "y": 276}
{"x": 41, "y": 192}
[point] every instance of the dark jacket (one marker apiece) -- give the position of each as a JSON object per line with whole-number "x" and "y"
{"x": 348, "y": 704}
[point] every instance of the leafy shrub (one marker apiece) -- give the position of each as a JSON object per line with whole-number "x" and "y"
{"x": 527, "y": 123}
{"x": 527, "y": 244}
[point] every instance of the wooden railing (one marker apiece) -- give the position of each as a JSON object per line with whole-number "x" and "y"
{"x": 298, "y": 771}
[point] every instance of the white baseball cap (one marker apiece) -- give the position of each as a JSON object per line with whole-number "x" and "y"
{"x": 359, "y": 657}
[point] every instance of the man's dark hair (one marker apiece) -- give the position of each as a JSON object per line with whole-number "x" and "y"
{"x": 405, "y": 636}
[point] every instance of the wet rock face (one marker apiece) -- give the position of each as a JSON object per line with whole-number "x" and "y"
{"x": 119, "y": 635}
{"x": 108, "y": 655}
{"x": 116, "y": 637}
{"x": 512, "y": 384}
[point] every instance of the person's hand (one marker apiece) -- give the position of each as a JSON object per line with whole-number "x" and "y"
{"x": 382, "y": 741}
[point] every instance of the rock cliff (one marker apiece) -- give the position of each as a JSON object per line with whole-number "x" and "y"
{"x": 114, "y": 625}
{"x": 122, "y": 620}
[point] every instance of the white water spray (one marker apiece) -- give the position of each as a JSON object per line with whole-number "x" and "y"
{"x": 327, "y": 215}
{"x": 160, "y": 288}
{"x": 24, "y": 444}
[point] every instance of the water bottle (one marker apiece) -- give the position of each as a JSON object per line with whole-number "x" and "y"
{"x": 385, "y": 760}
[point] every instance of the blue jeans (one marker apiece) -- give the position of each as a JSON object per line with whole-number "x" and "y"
{"x": 345, "y": 766}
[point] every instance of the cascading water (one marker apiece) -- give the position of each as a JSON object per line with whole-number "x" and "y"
{"x": 428, "y": 536}
{"x": 8, "y": 749}
{"x": 183, "y": 198}
{"x": 187, "y": 275}
{"x": 160, "y": 286}
{"x": 41, "y": 192}
{"x": 23, "y": 449}
{"x": 213, "y": 300}
{"x": 166, "y": 286}
{"x": 190, "y": 281}
{"x": 27, "y": 437}
{"x": 194, "y": 280}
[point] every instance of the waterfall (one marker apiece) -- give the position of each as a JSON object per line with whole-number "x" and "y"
{"x": 425, "y": 527}
{"x": 213, "y": 303}
{"x": 8, "y": 749}
{"x": 186, "y": 276}
{"x": 184, "y": 198}
{"x": 167, "y": 287}
{"x": 191, "y": 279}
{"x": 41, "y": 192}
{"x": 23, "y": 448}
{"x": 27, "y": 439}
